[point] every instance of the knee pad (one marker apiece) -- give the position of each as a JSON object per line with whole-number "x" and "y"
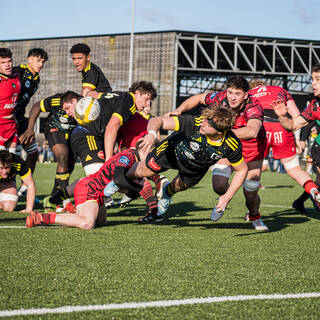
{"x": 32, "y": 148}
{"x": 292, "y": 163}
{"x": 251, "y": 185}
{"x": 221, "y": 170}
{"x": 8, "y": 197}
{"x": 92, "y": 168}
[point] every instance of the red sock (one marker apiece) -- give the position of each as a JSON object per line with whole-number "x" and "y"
{"x": 309, "y": 185}
{"x": 147, "y": 194}
{"x": 252, "y": 218}
{"x": 49, "y": 218}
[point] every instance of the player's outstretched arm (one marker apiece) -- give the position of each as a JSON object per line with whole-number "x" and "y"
{"x": 31, "y": 193}
{"x": 241, "y": 171}
{"x": 188, "y": 104}
{"x": 28, "y": 135}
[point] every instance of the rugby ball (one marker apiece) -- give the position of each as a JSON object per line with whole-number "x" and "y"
{"x": 87, "y": 110}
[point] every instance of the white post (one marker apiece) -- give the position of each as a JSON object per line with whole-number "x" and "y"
{"x": 131, "y": 44}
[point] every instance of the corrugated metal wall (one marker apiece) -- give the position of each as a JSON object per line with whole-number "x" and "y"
{"x": 153, "y": 61}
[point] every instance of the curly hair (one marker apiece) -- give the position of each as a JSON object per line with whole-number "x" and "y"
{"x": 80, "y": 48}
{"x": 219, "y": 117}
{"x": 144, "y": 87}
{"x": 6, "y": 157}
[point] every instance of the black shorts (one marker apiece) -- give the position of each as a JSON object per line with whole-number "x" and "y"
{"x": 22, "y": 124}
{"x": 54, "y": 136}
{"x": 315, "y": 154}
{"x": 162, "y": 158}
{"x": 87, "y": 147}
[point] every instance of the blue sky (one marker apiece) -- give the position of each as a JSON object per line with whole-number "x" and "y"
{"x": 297, "y": 19}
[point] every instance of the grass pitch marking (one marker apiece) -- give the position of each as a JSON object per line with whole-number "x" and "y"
{"x": 161, "y": 303}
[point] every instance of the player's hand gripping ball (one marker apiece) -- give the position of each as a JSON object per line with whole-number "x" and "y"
{"x": 87, "y": 110}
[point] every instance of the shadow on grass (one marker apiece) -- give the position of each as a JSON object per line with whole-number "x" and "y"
{"x": 277, "y": 221}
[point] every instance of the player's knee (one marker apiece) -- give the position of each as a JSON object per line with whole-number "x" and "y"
{"x": 8, "y": 206}
{"x": 62, "y": 158}
{"x": 251, "y": 185}
{"x": 220, "y": 177}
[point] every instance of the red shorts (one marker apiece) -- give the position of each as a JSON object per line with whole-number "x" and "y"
{"x": 83, "y": 192}
{"x": 8, "y": 131}
{"x": 253, "y": 151}
{"x": 281, "y": 141}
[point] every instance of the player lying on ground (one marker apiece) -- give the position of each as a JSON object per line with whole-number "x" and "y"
{"x": 10, "y": 166}
{"x": 199, "y": 143}
{"x": 89, "y": 194}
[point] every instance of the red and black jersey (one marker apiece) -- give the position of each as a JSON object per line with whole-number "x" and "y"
{"x": 29, "y": 85}
{"x": 119, "y": 104}
{"x": 94, "y": 78}
{"x": 132, "y": 131}
{"x": 252, "y": 109}
{"x": 101, "y": 178}
{"x": 58, "y": 118}
{"x": 266, "y": 95}
{"x": 312, "y": 111}
{"x": 18, "y": 166}
{"x": 10, "y": 88}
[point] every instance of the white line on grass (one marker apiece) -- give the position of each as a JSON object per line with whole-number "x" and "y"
{"x": 161, "y": 303}
{"x": 275, "y": 206}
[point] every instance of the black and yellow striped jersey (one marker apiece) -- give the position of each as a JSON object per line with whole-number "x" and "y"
{"x": 195, "y": 150}
{"x": 29, "y": 85}
{"x": 94, "y": 78}
{"x": 17, "y": 167}
{"x": 58, "y": 118}
{"x": 119, "y": 104}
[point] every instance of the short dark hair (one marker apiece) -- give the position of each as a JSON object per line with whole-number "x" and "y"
{"x": 238, "y": 82}
{"x": 144, "y": 87}
{"x": 80, "y": 48}
{"x": 316, "y": 68}
{"x": 5, "y": 53}
{"x": 38, "y": 52}
{"x": 68, "y": 96}
{"x": 6, "y": 157}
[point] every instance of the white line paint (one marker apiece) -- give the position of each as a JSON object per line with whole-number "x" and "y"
{"x": 12, "y": 227}
{"x": 275, "y": 206}
{"x": 161, "y": 303}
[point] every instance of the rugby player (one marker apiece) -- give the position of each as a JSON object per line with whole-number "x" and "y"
{"x": 30, "y": 79}
{"x": 10, "y": 87}
{"x": 12, "y": 165}
{"x": 248, "y": 127}
{"x": 94, "y": 143}
{"x": 310, "y": 113}
{"x": 282, "y": 142}
{"x": 93, "y": 78}
{"x": 57, "y": 129}
{"x": 89, "y": 194}
{"x": 197, "y": 144}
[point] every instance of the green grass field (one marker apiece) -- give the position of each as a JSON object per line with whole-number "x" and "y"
{"x": 185, "y": 257}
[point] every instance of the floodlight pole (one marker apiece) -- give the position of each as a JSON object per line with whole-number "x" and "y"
{"x": 131, "y": 44}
